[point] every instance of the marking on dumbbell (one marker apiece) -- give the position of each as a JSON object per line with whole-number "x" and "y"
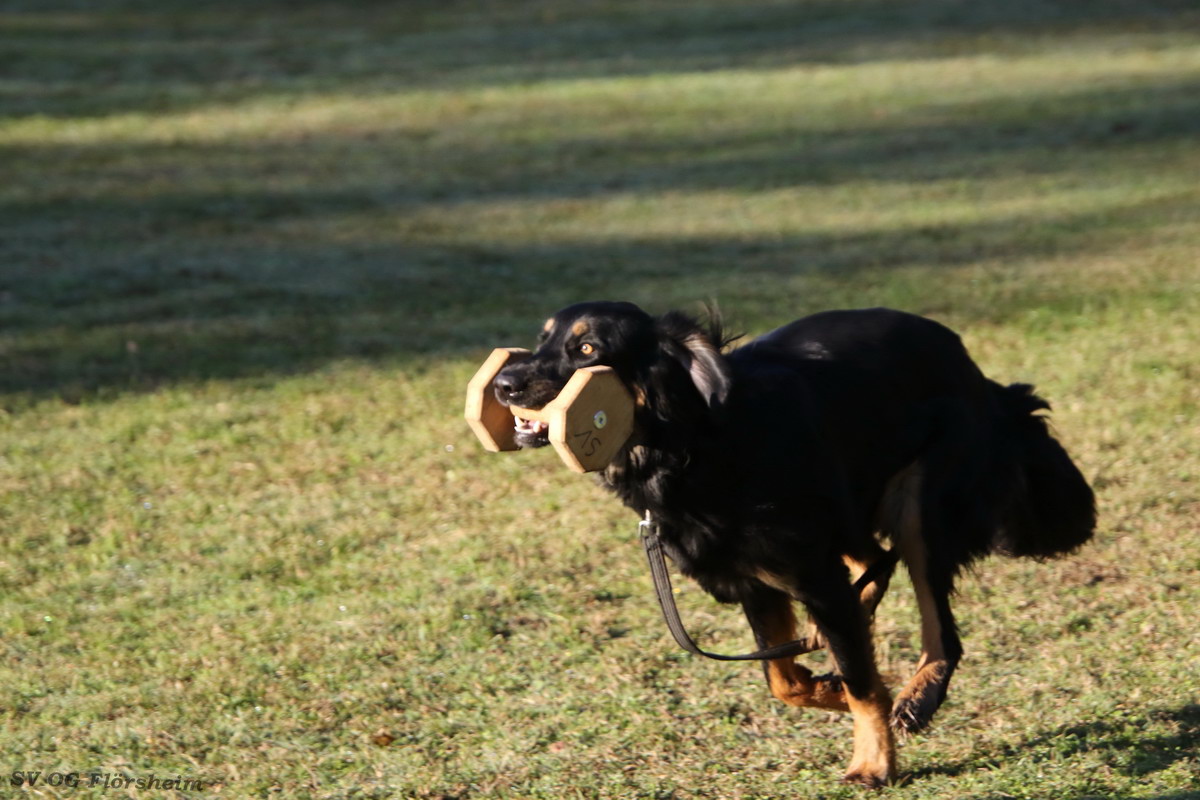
{"x": 591, "y": 442}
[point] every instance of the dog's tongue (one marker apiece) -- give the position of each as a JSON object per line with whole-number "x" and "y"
{"x": 531, "y": 427}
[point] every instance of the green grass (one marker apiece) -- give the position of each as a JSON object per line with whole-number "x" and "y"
{"x": 251, "y": 253}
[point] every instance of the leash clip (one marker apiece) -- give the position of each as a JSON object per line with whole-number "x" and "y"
{"x": 646, "y": 526}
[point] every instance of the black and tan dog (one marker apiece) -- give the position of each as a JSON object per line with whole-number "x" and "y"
{"x": 778, "y": 471}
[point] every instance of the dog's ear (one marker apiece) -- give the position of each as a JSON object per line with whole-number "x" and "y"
{"x": 697, "y": 350}
{"x": 708, "y": 369}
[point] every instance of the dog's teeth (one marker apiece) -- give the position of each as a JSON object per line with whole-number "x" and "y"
{"x": 530, "y": 426}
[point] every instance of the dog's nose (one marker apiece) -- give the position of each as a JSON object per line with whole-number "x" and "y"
{"x": 508, "y": 385}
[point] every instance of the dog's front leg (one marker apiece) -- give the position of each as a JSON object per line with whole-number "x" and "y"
{"x": 843, "y": 623}
{"x": 870, "y": 595}
{"x": 773, "y": 620}
{"x": 838, "y": 612}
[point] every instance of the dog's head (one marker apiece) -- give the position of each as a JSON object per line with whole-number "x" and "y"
{"x": 671, "y": 364}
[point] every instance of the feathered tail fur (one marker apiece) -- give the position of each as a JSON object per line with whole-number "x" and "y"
{"x": 1050, "y": 509}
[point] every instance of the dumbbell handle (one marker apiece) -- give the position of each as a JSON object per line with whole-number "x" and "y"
{"x": 532, "y": 414}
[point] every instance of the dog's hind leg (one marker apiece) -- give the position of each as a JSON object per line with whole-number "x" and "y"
{"x": 873, "y": 592}
{"x": 941, "y": 648}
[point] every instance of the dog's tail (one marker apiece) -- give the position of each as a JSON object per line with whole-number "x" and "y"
{"x": 1050, "y": 509}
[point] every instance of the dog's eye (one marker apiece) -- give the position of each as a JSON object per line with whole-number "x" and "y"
{"x": 586, "y": 349}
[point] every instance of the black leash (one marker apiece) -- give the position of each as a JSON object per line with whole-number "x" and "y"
{"x": 666, "y": 600}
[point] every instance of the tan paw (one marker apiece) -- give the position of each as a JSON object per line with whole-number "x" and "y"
{"x": 921, "y": 698}
{"x": 875, "y": 778}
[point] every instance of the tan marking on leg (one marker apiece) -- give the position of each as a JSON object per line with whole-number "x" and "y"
{"x": 791, "y": 682}
{"x": 580, "y": 328}
{"x": 795, "y": 685}
{"x": 856, "y": 567}
{"x": 919, "y": 699}
{"x": 870, "y": 596}
{"x": 812, "y": 633}
{"x": 874, "y": 760}
{"x": 903, "y": 510}
{"x": 549, "y": 326}
{"x": 872, "y": 593}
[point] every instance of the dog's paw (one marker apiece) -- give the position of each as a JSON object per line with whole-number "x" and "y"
{"x": 875, "y": 778}
{"x": 829, "y": 692}
{"x": 921, "y": 698}
{"x": 913, "y": 715}
{"x": 831, "y": 681}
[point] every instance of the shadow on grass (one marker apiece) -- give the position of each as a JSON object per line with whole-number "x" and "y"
{"x": 1030, "y": 134}
{"x": 199, "y": 310}
{"x": 72, "y": 57}
{"x": 129, "y": 266}
{"x": 1123, "y": 744}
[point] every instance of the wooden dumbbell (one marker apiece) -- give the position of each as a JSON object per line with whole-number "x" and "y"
{"x": 587, "y": 423}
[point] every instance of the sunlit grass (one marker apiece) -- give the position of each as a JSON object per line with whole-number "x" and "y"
{"x": 249, "y": 258}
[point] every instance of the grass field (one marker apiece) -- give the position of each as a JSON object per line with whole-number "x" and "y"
{"x": 250, "y": 254}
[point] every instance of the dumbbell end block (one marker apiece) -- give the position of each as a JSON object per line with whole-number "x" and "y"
{"x": 590, "y": 420}
{"x": 491, "y": 421}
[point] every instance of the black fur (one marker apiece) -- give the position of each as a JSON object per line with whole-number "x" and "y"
{"x": 779, "y": 456}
